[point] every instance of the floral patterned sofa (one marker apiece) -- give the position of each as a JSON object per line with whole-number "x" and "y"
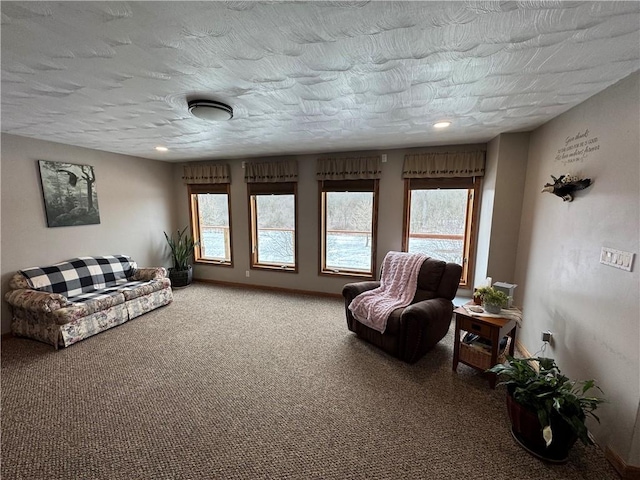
{"x": 67, "y": 302}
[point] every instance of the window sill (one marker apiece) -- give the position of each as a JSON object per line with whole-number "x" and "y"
{"x": 275, "y": 268}
{"x": 218, "y": 263}
{"x": 346, "y": 273}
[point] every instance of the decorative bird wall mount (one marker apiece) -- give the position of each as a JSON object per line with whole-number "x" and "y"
{"x": 565, "y": 185}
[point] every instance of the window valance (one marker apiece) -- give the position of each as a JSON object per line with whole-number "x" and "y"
{"x": 349, "y": 168}
{"x": 271, "y": 172}
{"x": 444, "y": 164}
{"x": 206, "y": 173}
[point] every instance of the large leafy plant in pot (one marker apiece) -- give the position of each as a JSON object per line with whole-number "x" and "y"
{"x": 547, "y": 410}
{"x": 181, "y": 247}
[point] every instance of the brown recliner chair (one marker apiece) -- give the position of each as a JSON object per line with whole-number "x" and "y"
{"x": 413, "y": 330}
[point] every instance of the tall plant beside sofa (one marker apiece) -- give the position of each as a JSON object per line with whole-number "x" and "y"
{"x": 181, "y": 274}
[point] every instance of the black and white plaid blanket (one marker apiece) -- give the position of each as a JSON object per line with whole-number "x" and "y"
{"x": 81, "y": 275}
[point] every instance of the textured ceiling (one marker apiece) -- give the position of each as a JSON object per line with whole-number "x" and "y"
{"x": 303, "y": 77}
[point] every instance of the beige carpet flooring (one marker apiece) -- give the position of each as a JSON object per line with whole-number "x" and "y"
{"x": 232, "y": 384}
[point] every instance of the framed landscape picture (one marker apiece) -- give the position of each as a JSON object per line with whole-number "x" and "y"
{"x": 69, "y": 191}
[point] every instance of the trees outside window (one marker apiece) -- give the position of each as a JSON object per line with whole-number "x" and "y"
{"x": 210, "y": 218}
{"x": 273, "y": 221}
{"x": 348, "y": 227}
{"x": 440, "y": 220}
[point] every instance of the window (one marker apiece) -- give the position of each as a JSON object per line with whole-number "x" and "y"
{"x": 440, "y": 217}
{"x": 272, "y": 216}
{"x": 210, "y": 219}
{"x": 349, "y": 215}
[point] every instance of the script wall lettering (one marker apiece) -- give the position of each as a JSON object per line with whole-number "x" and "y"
{"x": 577, "y": 147}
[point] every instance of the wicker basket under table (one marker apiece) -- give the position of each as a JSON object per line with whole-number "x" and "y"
{"x": 481, "y": 357}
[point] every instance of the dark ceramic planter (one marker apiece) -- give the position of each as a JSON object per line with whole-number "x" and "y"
{"x": 527, "y": 431}
{"x": 181, "y": 278}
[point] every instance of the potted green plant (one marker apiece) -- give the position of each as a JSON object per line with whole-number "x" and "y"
{"x": 492, "y": 300}
{"x": 181, "y": 274}
{"x": 547, "y": 410}
{"x": 478, "y": 294}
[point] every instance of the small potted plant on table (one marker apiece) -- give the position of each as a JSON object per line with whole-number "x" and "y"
{"x": 492, "y": 300}
{"x": 547, "y": 410}
{"x": 181, "y": 247}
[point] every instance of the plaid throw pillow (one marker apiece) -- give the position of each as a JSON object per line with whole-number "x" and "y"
{"x": 80, "y": 275}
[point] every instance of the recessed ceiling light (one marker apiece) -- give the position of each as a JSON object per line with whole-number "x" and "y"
{"x": 162, "y": 149}
{"x": 210, "y": 110}
{"x": 441, "y": 124}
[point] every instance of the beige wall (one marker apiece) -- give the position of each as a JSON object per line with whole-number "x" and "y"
{"x": 507, "y": 207}
{"x": 591, "y": 309}
{"x": 485, "y": 222}
{"x": 501, "y": 207}
{"x": 135, "y": 196}
{"x": 389, "y": 225}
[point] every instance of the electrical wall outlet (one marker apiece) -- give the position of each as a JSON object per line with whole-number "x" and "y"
{"x": 248, "y": 273}
{"x": 546, "y": 336}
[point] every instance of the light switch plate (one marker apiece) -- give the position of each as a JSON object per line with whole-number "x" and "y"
{"x": 617, "y": 258}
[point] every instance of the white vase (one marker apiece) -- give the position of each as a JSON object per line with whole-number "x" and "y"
{"x": 491, "y": 308}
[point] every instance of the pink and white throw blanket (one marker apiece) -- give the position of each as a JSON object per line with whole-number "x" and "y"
{"x": 397, "y": 288}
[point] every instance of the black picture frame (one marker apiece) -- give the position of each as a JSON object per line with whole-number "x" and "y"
{"x": 70, "y": 194}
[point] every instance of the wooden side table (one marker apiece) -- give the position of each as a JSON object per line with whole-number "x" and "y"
{"x": 490, "y": 328}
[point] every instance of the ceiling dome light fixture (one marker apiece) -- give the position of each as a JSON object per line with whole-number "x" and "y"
{"x": 441, "y": 124}
{"x": 210, "y": 110}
